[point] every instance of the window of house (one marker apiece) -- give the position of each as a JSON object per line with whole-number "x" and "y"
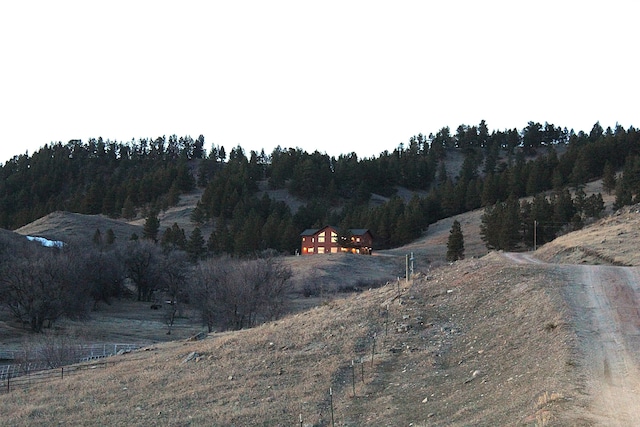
{"x": 334, "y": 237}
{"x": 321, "y": 237}
{"x": 321, "y": 250}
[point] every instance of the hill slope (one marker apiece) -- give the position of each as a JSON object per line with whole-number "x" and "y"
{"x": 462, "y": 346}
{"x": 489, "y": 341}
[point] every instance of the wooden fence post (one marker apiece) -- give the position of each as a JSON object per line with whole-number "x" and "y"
{"x": 331, "y": 404}
{"x": 353, "y": 378}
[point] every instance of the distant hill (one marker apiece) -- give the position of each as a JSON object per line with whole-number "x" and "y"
{"x": 77, "y": 228}
{"x": 246, "y": 203}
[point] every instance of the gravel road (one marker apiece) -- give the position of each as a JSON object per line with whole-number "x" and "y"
{"x": 605, "y": 302}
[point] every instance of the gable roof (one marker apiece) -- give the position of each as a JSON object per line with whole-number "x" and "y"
{"x": 353, "y": 231}
{"x": 309, "y": 232}
{"x": 359, "y": 231}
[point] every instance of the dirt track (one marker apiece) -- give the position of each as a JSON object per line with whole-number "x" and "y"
{"x": 605, "y": 303}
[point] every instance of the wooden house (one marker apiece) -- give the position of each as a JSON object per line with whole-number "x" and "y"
{"x": 328, "y": 240}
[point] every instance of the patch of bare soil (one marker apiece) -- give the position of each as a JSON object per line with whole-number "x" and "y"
{"x": 607, "y": 319}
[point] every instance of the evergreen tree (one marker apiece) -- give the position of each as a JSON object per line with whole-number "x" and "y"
{"x": 111, "y": 237}
{"x": 97, "y": 238}
{"x": 608, "y": 178}
{"x": 196, "y": 245}
{"x": 151, "y": 227}
{"x": 128, "y": 209}
{"x": 455, "y": 244}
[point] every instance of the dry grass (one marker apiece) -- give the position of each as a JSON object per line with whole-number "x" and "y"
{"x": 612, "y": 241}
{"x": 462, "y": 346}
{"x": 480, "y": 342}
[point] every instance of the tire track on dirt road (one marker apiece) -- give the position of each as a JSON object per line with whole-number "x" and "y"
{"x": 605, "y": 301}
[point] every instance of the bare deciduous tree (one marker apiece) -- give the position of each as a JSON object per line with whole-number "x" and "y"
{"x": 237, "y": 294}
{"x": 41, "y": 286}
{"x": 142, "y": 265}
{"x": 174, "y": 272}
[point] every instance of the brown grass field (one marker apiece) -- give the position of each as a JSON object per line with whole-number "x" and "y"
{"x": 485, "y": 341}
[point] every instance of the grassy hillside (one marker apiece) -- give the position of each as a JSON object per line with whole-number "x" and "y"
{"x": 482, "y": 341}
{"x": 461, "y": 345}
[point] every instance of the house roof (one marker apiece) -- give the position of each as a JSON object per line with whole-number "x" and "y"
{"x": 309, "y": 232}
{"x": 359, "y": 231}
{"x": 354, "y": 231}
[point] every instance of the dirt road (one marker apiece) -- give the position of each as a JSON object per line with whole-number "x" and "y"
{"x": 605, "y": 301}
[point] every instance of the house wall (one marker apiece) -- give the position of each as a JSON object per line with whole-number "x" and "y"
{"x": 326, "y": 241}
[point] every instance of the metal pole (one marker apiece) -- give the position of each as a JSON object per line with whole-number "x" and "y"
{"x": 535, "y": 235}
{"x": 406, "y": 267}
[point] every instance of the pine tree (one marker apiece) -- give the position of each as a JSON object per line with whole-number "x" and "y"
{"x": 151, "y": 227}
{"x": 128, "y": 209}
{"x": 111, "y": 237}
{"x": 196, "y": 245}
{"x": 97, "y": 238}
{"x": 608, "y": 178}
{"x": 455, "y": 244}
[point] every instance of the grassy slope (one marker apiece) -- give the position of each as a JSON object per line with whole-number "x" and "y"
{"x": 442, "y": 328}
{"x": 480, "y": 342}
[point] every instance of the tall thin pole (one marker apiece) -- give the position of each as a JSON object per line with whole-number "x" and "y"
{"x": 535, "y": 235}
{"x": 406, "y": 268}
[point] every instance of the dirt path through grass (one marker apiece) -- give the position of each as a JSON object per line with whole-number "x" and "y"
{"x": 606, "y": 304}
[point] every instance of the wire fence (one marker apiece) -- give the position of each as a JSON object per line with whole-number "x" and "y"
{"x": 27, "y": 376}
{"x": 27, "y": 372}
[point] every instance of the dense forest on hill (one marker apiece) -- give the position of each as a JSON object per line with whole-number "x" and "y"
{"x": 141, "y": 178}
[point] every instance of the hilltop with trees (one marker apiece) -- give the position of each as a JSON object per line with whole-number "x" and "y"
{"x": 396, "y": 195}
{"x": 139, "y": 179}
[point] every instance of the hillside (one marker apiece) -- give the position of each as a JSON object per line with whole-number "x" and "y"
{"x": 463, "y": 345}
{"x": 72, "y": 227}
{"x": 484, "y": 341}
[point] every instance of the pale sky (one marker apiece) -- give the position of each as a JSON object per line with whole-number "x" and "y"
{"x": 333, "y": 76}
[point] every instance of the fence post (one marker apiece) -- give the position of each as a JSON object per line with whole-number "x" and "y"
{"x": 62, "y": 373}
{"x": 386, "y": 324}
{"x": 353, "y": 378}
{"x": 331, "y": 404}
{"x": 373, "y": 350}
